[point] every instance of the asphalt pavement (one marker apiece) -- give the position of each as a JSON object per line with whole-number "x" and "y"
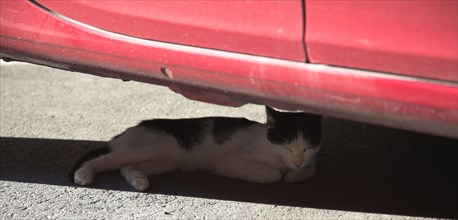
{"x": 50, "y": 117}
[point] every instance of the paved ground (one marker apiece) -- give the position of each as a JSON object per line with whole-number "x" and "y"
{"x": 50, "y": 117}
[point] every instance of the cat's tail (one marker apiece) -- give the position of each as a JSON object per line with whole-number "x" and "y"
{"x": 86, "y": 157}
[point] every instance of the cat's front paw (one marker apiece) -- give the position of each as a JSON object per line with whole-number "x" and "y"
{"x": 300, "y": 175}
{"x": 83, "y": 177}
{"x": 291, "y": 177}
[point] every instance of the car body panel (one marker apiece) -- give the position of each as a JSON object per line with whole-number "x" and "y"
{"x": 416, "y": 38}
{"x": 223, "y": 25}
{"x": 32, "y": 33}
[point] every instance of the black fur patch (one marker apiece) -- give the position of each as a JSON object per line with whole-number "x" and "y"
{"x": 188, "y": 132}
{"x": 285, "y": 126}
{"x": 86, "y": 157}
{"x": 224, "y": 128}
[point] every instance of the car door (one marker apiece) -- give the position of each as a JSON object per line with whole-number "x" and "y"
{"x": 265, "y": 28}
{"x": 414, "y": 38}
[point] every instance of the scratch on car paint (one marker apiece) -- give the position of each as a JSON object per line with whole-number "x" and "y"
{"x": 12, "y": 10}
{"x": 355, "y": 100}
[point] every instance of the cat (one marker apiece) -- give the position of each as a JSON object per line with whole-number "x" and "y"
{"x": 283, "y": 148}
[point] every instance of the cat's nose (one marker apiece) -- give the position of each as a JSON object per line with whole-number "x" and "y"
{"x": 297, "y": 163}
{"x": 296, "y": 167}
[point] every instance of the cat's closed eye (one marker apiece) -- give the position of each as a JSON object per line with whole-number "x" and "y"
{"x": 277, "y": 139}
{"x": 305, "y": 149}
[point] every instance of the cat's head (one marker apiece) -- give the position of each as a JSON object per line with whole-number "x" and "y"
{"x": 297, "y": 135}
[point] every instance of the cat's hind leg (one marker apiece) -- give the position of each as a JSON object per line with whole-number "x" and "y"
{"x": 136, "y": 175}
{"x": 134, "y": 145}
{"x": 114, "y": 160}
{"x": 85, "y": 175}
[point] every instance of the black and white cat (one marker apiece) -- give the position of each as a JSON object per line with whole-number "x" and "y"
{"x": 283, "y": 148}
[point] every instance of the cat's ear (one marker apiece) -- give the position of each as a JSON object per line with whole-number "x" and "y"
{"x": 271, "y": 115}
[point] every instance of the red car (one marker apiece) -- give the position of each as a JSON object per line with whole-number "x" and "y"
{"x": 392, "y": 63}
